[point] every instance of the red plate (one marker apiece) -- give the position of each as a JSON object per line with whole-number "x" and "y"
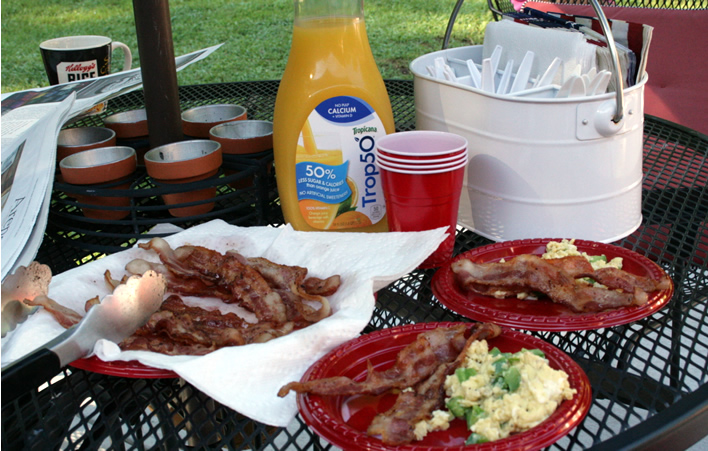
{"x": 132, "y": 368}
{"x": 343, "y": 420}
{"x": 544, "y": 314}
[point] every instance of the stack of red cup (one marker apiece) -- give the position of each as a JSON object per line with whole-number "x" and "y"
{"x": 422, "y": 174}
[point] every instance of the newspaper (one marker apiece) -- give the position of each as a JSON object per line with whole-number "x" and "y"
{"x": 31, "y": 121}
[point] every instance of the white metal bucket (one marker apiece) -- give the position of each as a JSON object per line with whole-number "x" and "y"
{"x": 539, "y": 167}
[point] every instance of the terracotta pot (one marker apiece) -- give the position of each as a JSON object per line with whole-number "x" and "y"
{"x": 243, "y": 137}
{"x": 128, "y": 124}
{"x": 100, "y": 166}
{"x": 131, "y": 129}
{"x": 197, "y": 121}
{"x": 74, "y": 140}
{"x": 182, "y": 163}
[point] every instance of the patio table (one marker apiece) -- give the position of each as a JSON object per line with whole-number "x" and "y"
{"x": 649, "y": 378}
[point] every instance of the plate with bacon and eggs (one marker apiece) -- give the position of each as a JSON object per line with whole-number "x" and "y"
{"x": 354, "y": 397}
{"x": 511, "y": 284}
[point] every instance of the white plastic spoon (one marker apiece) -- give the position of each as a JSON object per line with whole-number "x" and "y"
{"x": 599, "y": 83}
{"x": 567, "y": 85}
{"x": 589, "y": 76}
{"x": 577, "y": 88}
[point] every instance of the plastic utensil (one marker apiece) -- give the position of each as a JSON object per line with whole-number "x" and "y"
{"x": 567, "y": 86}
{"x": 522, "y": 74}
{"x": 439, "y": 68}
{"x": 549, "y": 74}
{"x": 495, "y": 57}
{"x": 577, "y": 88}
{"x": 449, "y": 74}
{"x": 487, "y": 75}
{"x": 599, "y": 83}
{"x": 541, "y": 92}
{"x": 503, "y": 87}
{"x": 589, "y": 76}
{"x": 475, "y": 74}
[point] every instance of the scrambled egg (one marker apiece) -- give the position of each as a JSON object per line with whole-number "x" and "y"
{"x": 499, "y": 394}
{"x": 566, "y": 248}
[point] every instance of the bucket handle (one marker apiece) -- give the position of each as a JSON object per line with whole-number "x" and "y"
{"x": 617, "y": 74}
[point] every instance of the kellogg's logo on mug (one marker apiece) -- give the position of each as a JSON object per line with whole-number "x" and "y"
{"x": 80, "y": 71}
{"x": 76, "y": 58}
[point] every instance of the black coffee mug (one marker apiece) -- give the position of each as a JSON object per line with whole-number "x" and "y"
{"x": 76, "y": 58}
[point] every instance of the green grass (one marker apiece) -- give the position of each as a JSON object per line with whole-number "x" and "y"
{"x": 255, "y": 33}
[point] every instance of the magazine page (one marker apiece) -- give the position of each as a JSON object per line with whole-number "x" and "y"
{"x": 28, "y": 167}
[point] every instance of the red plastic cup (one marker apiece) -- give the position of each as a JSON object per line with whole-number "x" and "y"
{"x": 442, "y": 159}
{"x": 421, "y": 167}
{"x": 421, "y": 145}
{"x": 424, "y": 200}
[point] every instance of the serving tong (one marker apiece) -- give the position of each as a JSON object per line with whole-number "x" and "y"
{"x": 115, "y": 318}
{"x": 25, "y": 283}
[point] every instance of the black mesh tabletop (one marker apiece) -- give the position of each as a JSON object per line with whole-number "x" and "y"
{"x": 649, "y": 378}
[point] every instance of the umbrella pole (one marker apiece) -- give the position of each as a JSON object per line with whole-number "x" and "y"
{"x": 157, "y": 65}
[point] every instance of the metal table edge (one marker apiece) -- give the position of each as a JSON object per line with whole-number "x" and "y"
{"x": 680, "y": 426}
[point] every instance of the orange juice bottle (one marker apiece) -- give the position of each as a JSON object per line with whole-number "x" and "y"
{"x": 332, "y": 106}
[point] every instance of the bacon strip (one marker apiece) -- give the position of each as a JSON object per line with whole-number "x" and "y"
{"x": 246, "y": 285}
{"x": 181, "y": 329}
{"x": 616, "y": 279}
{"x": 414, "y": 363}
{"x": 179, "y": 285}
{"x": 322, "y": 287}
{"x": 65, "y": 316}
{"x": 273, "y": 292}
{"x": 282, "y": 298}
{"x": 289, "y": 283}
{"x": 396, "y": 425}
{"x": 573, "y": 265}
{"x": 535, "y": 273}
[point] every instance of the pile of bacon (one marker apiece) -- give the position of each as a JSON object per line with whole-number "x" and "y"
{"x": 282, "y": 298}
{"x": 423, "y": 366}
{"x": 560, "y": 279}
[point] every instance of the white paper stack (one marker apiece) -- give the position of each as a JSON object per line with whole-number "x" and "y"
{"x": 576, "y": 54}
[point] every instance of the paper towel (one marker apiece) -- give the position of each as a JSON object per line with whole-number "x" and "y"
{"x": 247, "y": 378}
